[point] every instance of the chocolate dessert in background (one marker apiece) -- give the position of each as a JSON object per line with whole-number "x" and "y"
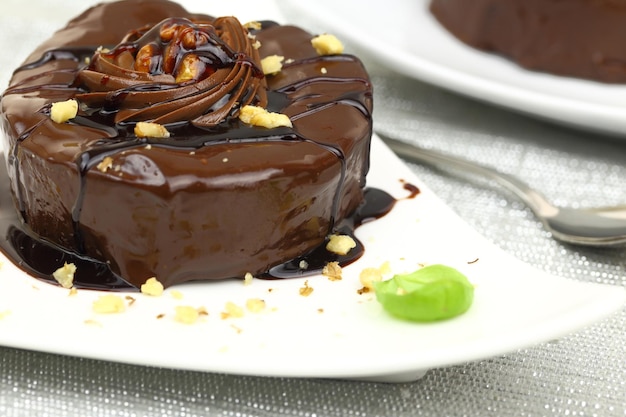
{"x": 576, "y": 38}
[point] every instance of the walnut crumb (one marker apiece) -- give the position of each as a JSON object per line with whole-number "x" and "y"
{"x": 327, "y": 44}
{"x": 369, "y": 276}
{"x": 258, "y": 116}
{"x": 305, "y": 291}
{"x": 272, "y": 64}
{"x": 62, "y": 111}
{"x": 332, "y": 270}
{"x": 152, "y": 287}
{"x": 255, "y": 305}
{"x": 340, "y": 244}
{"x": 187, "y": 314}
{"x": 253, "y": 25}
{"x": 105, "y": 164}
{"x": 151, "y": 130}
{"x": 65, "y": 275}
{"x": 177, "y": 295}
{"x": 109, "y": 304}
{"x": 232, "y": 310}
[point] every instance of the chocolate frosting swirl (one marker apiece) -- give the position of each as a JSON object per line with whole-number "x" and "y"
{"x": 177, "y": 71}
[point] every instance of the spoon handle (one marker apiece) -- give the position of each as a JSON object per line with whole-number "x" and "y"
{"x": 532, "y": 198}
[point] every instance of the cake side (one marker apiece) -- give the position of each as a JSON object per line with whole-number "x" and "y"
{"x": 210, "y": 201}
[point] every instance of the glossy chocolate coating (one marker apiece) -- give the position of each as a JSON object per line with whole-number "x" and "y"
{"x": 578, "y": 38}
{"x": 207, "y": 203}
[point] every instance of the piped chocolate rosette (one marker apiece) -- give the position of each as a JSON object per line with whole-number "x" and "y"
{"x": 216, "y": 196}
{"x": 177, "y": 71}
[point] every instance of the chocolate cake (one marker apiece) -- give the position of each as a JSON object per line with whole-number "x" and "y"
{"x": 577, "y": 38}
{"x": 209, "y": 194}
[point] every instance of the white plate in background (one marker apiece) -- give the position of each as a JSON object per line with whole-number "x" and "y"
{"x": 404, "y": 36}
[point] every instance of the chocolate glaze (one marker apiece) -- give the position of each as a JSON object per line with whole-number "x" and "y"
{"x": 578, "y": 38}
{"x": 214, "y": 200}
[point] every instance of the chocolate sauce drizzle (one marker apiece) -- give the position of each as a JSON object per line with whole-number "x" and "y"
{"x": 40, "y": 258}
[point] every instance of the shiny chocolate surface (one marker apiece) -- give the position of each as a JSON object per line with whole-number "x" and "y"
{"x": 218, "y": 198}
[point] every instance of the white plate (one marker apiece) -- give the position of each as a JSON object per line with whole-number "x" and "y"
{"x": 334, "y": 332}
{"x": 404, "y": 36}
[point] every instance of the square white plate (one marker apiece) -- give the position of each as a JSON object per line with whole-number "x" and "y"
{"x": 334, "y": 332}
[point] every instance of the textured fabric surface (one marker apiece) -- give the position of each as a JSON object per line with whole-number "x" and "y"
{"x": 582, "y": 374}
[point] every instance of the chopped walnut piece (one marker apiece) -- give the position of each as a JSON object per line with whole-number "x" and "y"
{"x": 152, "y": 287}
{"x": 65, "y": 275}
{"x": 109, "y": 304}
{"x": 253, "y": 25}
{"x": 62, "y": 111}
{"x": 332, "y": 270}
{"x": 255, "y": 305}
{"x": 186, "y": 314}
{"x": 272, "y": 64}
{"x": 369, "y": 276}
{"x": 177, "y": 294}
{"x": 258, "y": 116}
{"x": 105, "y": 164}
{"x": 305, "y": 291}
{"x": 151, "y": 130}
{"x": 327, "y": 44}
{"x": 340, "y": 244}
{"x": 232, "y": 310}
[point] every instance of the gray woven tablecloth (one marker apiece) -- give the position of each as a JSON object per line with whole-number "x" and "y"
{"x": 583, "y": 374}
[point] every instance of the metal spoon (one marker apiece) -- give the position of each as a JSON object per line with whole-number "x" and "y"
{"x": 602, "y": 226}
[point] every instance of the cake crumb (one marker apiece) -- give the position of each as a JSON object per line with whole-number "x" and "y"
{"x": 272, "y": 64}
{"x": 340, "y": 244}
{"x": 305, "y": 291}
{"x": 232, "y": 310}
{"x": 327, "y": 44}
{"x": 152, "y": 287}
{"x": 109, "y": 304}
{"x": 324, "y": 70}
{"x": 177, "y": 295}
{"x": 303, "y": 264}
{"x": 332, "y": 270}
{"x": 73, "y": 291}
{"x": 255, "y": 305}
{"x": 105, "y": 164}
{"x": 247, "y": 279}
{"x": 151, "y": 130}
{"x": 65, "y": 275}
{"x": 62, "y": 111}
{"x": 258, "y": 116}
